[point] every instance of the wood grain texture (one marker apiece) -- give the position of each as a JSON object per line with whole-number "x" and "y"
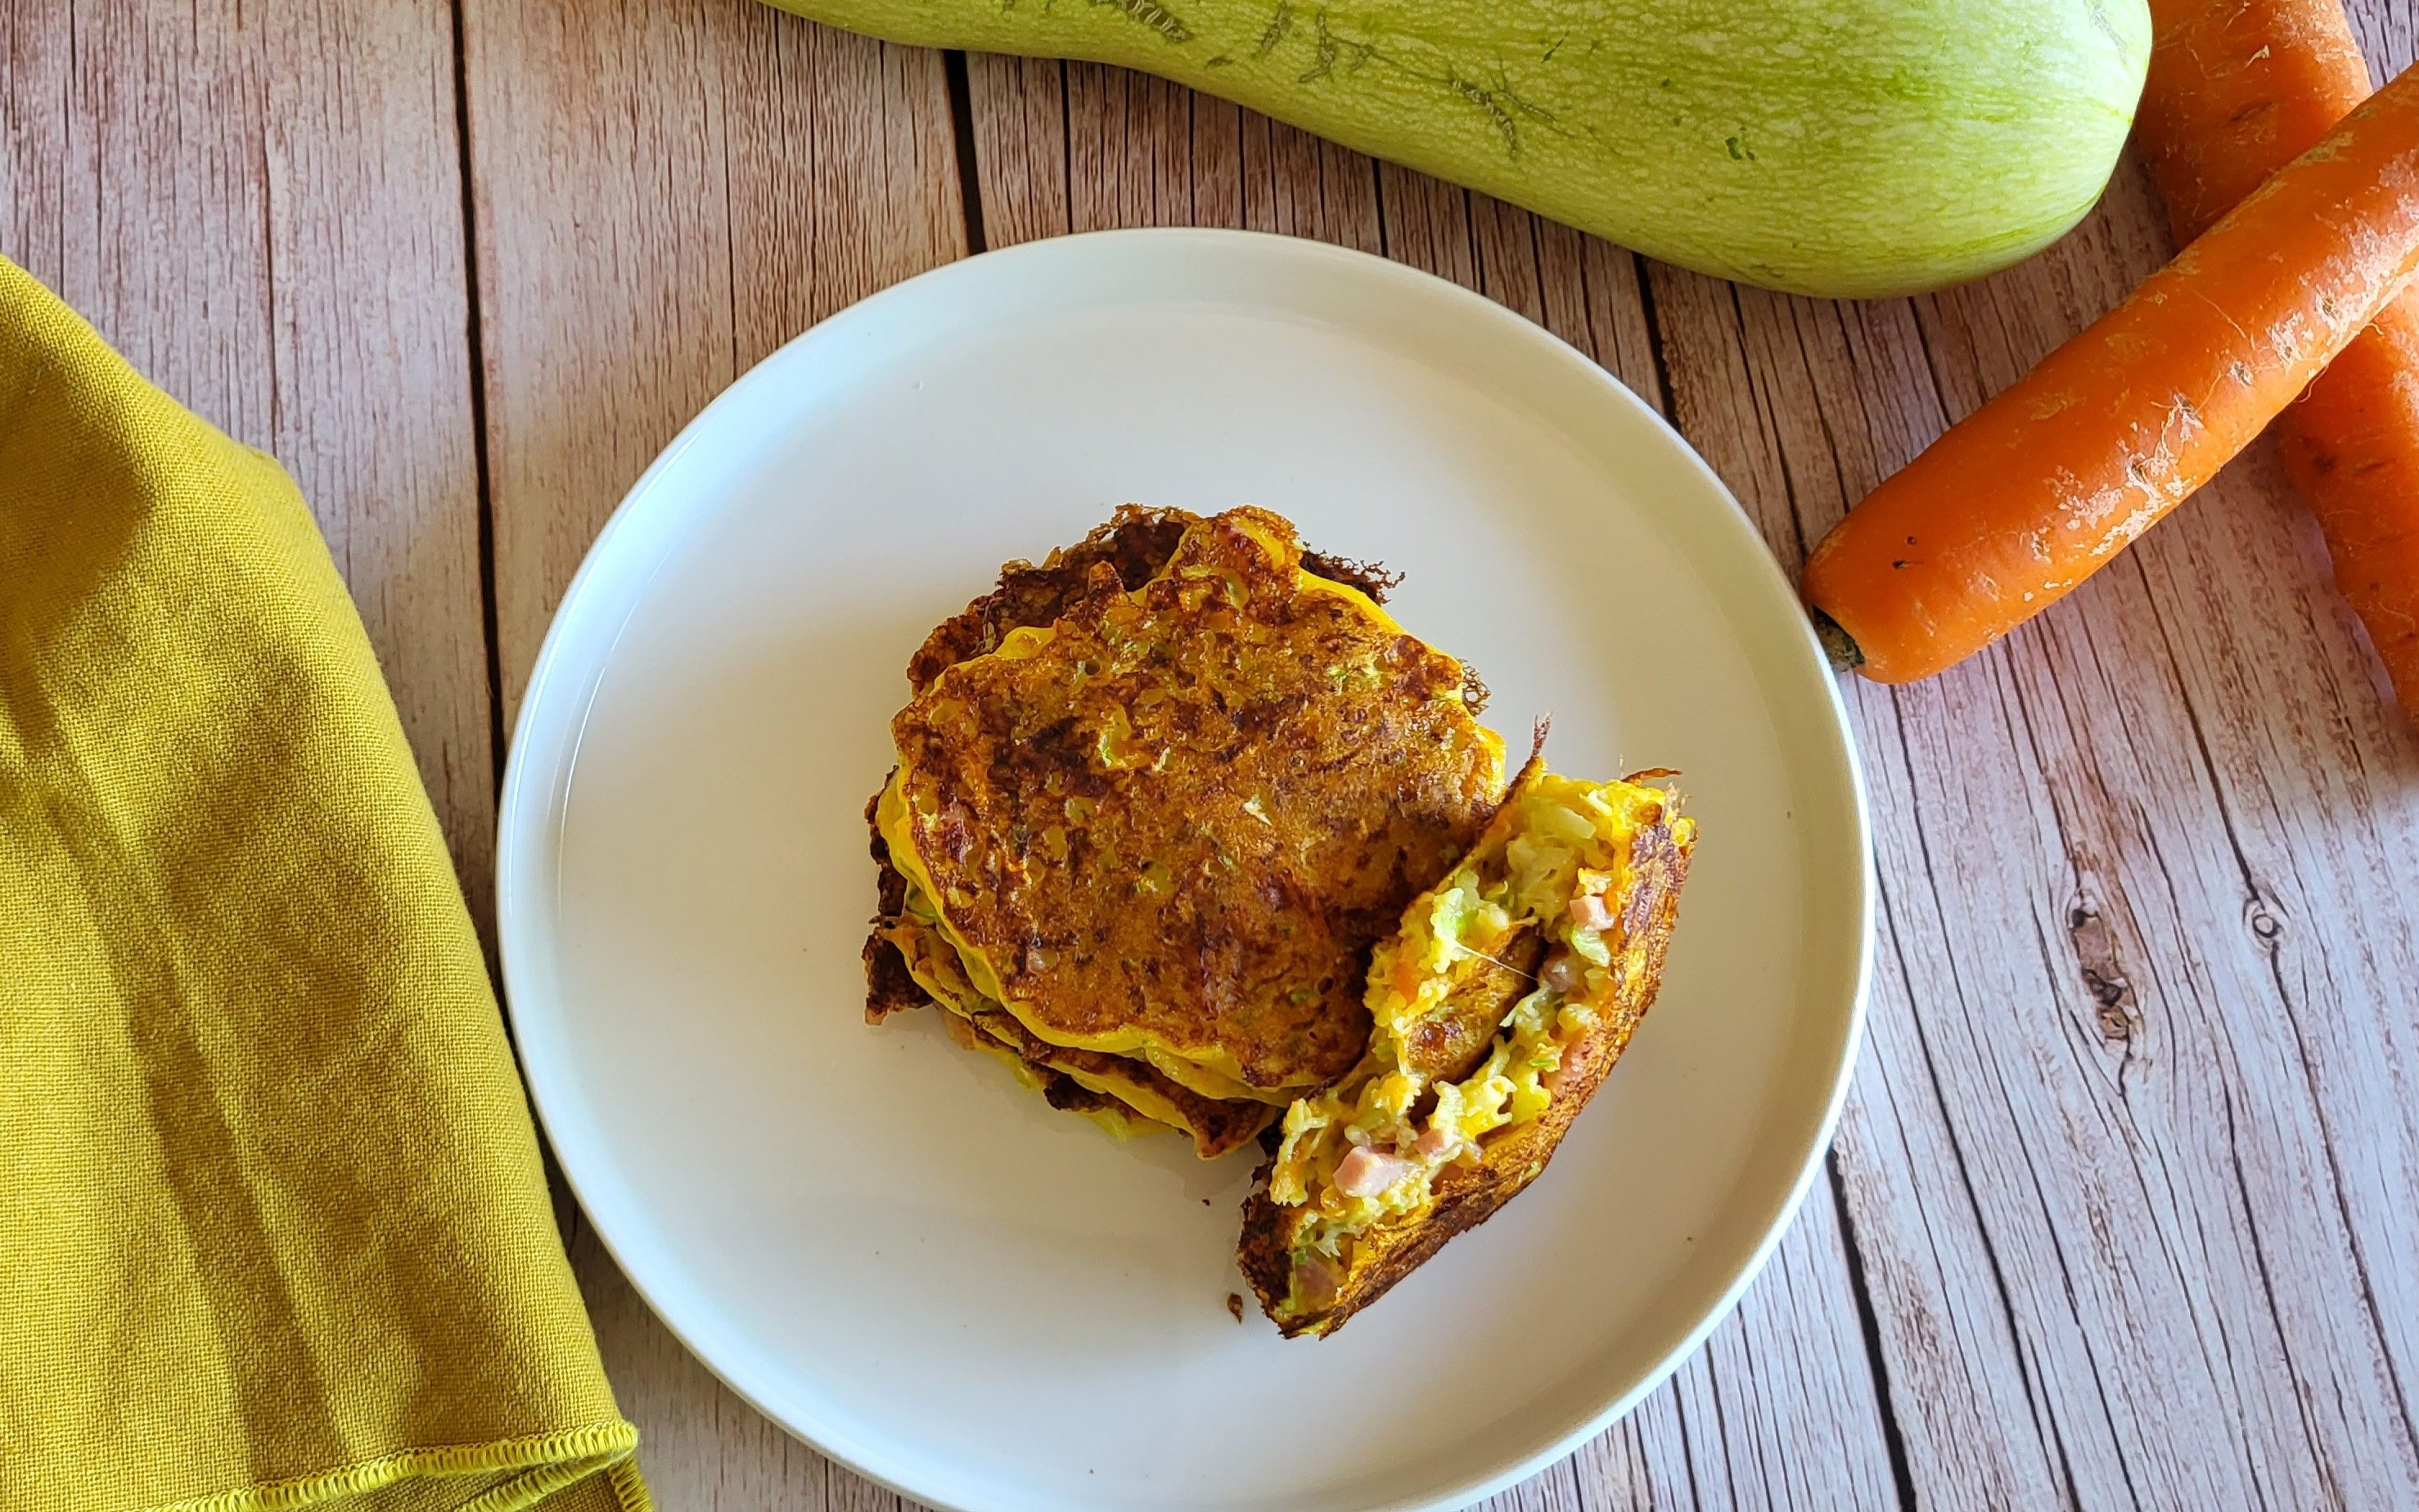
{"x": 262, "y": 210}
{"x": 663, "y": 192}
{"x": 2131, "y": 1163}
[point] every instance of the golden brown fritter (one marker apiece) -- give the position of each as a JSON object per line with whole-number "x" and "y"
{"x": 1061, "y": 1092}
{"x": 1216, "y": 1125}
{"x": 1174, "y": 822}
{"x": 1466, "y": 1193}
{"x": 1136, "y": 543}
{"x": 889, "y": 987}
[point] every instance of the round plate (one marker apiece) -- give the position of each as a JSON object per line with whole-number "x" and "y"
{"x": 880, "y": 1240}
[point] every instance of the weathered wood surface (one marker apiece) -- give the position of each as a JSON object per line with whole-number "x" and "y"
{"x": 663, "y": 192}
{"x": 2122, "y": 1210}
{"x": 262, "y": 208}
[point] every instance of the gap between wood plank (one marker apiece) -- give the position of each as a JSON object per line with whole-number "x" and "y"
{"x": 1664, "y": 398}
{"x": 962, "y": 130}
{"x": 474, "y": 320}
{"x": 1893, "y": 1440}
{"x": 2291, "y": 1012}
{"x": 2037, "y": 1393}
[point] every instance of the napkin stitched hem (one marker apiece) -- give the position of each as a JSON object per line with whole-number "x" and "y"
{"x": 553, "y": 1460}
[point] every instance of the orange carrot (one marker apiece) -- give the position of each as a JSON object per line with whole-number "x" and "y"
{"x": 2238, "y": 87}
{"x": 2352, "y": 449}
{"x": 2031, "y": 493}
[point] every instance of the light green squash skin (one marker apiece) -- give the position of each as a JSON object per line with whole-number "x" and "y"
{"x": 1845, "y": 147}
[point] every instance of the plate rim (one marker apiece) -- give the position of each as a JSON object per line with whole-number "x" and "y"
{"x": 523, "y": 807}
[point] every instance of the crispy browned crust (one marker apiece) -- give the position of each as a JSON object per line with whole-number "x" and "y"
{"x": 1468, "y": 1197}
{"x": 1135, "y": 544}
{"x": 1290, "y": 768}
{"x": 1217, "y": 1126}
{"x": 1059, "y": 1089}
{"x": 1374, "y": 578}
{"x": 1377, "y": 579}
{"x": 889, "y": 987}
{"x": 1068, "y": 1095}
{"x": 1449, "y": 1046}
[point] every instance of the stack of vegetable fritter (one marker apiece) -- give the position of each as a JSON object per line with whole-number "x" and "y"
{"x": 1158, "y": 803}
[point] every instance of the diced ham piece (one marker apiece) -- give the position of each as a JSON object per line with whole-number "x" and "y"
{"x": 1589, "y": 912}
{"x": 1574, "y": 1063}
{"x": 1315, "y": 1280}
{"x": 1436, "y": 1144}
{"x": 1562, "y": 973}
{"x": 1366, "y": 1172}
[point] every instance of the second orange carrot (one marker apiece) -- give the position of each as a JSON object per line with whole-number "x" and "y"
{"x": 2034, "y": 491}
{"x": 2236, "y": 90}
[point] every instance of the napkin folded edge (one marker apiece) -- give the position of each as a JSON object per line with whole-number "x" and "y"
{"x": 553, "y": 1462}
{"x": 539, "y": 1466}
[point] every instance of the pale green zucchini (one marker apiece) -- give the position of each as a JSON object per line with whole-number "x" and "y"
{"x": 1826, "y": 146}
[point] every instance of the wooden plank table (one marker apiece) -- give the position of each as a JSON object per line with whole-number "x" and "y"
{"x": 2124, "y": 1211}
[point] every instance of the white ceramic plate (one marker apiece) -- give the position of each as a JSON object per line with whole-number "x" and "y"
{"x": 879, "y": 1238}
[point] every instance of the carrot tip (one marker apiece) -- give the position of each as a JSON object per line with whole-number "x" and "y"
{"x": 1838, "y": 645}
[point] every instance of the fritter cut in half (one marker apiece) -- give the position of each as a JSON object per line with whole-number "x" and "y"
{"x": 1509, "y": 992}
{"x": 1155, "y": 801}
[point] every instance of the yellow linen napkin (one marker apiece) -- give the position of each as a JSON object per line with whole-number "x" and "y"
{"x": 273, "y": 1232}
